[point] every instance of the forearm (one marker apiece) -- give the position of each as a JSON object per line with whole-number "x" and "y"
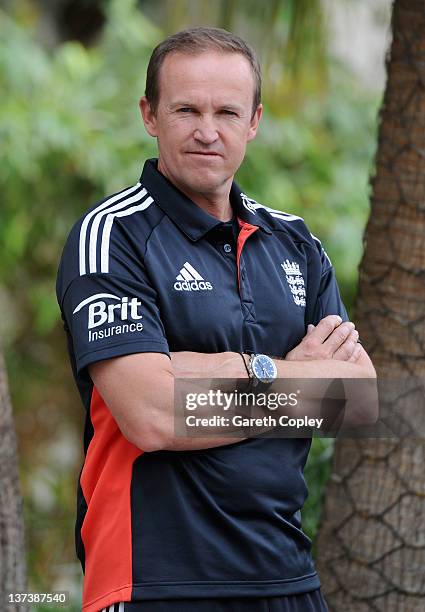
{"x": 140, "y": 389}
{"x": 191, "y": 365}
{"x": 323, "y": 368}
{"x": 140, "y": 392}
{"x": 188, "y": 364}
{"x": 360, "y": 399}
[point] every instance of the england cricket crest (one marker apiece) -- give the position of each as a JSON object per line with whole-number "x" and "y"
{"x": 295, "y": 281}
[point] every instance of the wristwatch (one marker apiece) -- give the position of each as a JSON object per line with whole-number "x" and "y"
{"x": 262, "y": 369}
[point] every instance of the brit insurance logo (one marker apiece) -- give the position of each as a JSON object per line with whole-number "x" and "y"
{"x": 116, "y": 316}
{"x": 188, "y": 279}
{"x": 295, "y": 281}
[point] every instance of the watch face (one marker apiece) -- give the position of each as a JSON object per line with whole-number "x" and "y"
{"x": 264, "y": 368}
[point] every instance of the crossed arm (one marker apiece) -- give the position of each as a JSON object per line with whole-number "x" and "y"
{"x": 139, "y": 389}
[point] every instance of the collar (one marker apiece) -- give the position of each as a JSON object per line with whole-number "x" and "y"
{"x": 188, "y": 216}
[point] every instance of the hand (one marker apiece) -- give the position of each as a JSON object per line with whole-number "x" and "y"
{"x": 330, "y": 339}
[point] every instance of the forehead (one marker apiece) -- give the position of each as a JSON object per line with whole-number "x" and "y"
{"x": 206, "y": 72}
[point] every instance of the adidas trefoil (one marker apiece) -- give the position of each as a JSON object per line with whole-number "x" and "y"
{"x": 188, "y": 279}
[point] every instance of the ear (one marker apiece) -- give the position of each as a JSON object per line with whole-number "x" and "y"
{"x": 255, "y": 120}
{"x": 149, "y": 118}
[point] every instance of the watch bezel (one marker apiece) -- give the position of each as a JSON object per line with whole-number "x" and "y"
{"x": 256, "y": 379}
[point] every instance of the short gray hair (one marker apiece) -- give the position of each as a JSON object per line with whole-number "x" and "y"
{"x": 195, "y": 41}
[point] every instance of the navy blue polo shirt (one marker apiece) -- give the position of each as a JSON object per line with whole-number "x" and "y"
{"x": 147, "y": 270}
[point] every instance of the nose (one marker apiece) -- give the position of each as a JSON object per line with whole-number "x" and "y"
{"x": 206, "y": 131}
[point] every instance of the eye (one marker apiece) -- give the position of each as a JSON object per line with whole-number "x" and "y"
{"x": 225, "y": 111}
{"x": 185, "y": 109}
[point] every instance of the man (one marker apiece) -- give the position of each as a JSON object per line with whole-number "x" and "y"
{"x": 175, "y": 277}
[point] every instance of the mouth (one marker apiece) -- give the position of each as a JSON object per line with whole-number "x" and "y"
{"x": 204, "y": 153}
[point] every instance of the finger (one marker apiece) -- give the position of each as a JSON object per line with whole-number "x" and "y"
{"x": 345, "y": 351}
{"x": 356, "y": 353}
{"x": 338, "y": 337}
{"x": 326, "y": 326}
{"x": 310, "y": 328}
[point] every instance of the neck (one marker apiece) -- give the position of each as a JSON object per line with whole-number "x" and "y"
{"x": 216, "y": 203}
{"x": 218, "y": 207}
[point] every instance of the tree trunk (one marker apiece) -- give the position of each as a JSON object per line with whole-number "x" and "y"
{"x": 12, "y": 548}
{"x": 371, "y": 544}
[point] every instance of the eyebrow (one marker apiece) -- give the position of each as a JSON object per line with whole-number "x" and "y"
{"x": 181, "y": 103}
{"x": 185, "y": 103}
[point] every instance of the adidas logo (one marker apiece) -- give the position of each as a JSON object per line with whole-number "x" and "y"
{"x": 188, "y": 279}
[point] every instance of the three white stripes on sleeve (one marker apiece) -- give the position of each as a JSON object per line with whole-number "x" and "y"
{"x": 117, "y": 607}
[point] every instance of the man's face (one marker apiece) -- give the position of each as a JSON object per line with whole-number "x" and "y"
{"x": 204, "y": 119}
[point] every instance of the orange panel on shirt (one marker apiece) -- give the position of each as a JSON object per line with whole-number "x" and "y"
{"x": 106, "y": 531}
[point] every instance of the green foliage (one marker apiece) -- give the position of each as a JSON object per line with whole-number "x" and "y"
{"x": 315, "y": 163}
{"x": 70, "y": 127}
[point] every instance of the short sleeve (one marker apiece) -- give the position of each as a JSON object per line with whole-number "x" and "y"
{"x": 109, "y": 315}
{"x": 328, "y": 300}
